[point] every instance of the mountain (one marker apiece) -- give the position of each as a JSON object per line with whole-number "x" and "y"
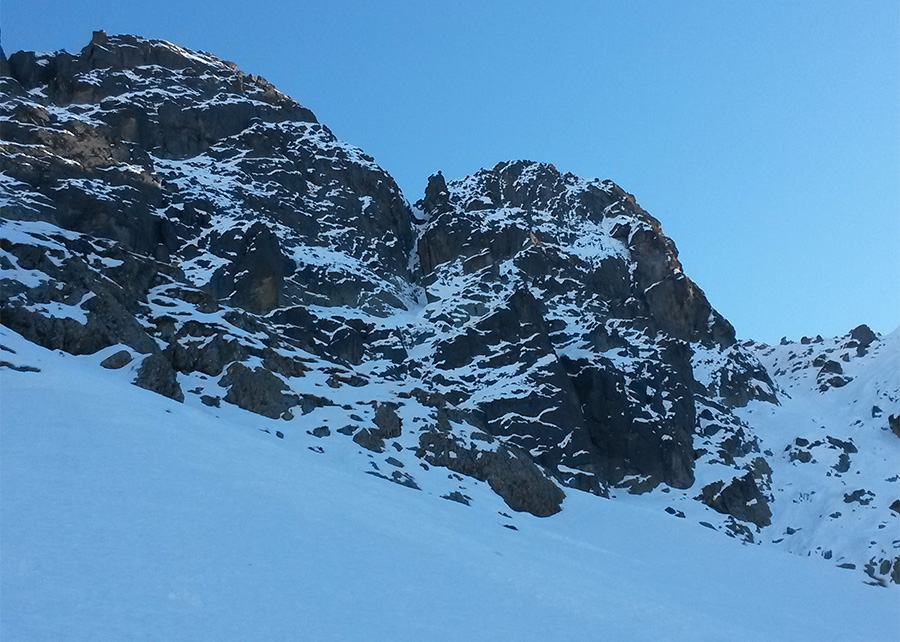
{"x": 194, "y": 231}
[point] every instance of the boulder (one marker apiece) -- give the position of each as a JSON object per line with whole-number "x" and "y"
{"x": 740, "y": 498}
{"x": 864, "y": 337}
{"x": 257, "y": 390}
{"x": 117, "y": 360}
{"x": 156, "y": 373}
{"x": 369, "y": 439}
{"x": 387, "y": 426}
{"x": 387, "y": 421}
{"x": 508, "y": 470}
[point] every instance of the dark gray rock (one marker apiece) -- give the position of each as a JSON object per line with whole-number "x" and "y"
{"x": 831, "y": 367}
{"x": 209, "y": 400}
{"x": 846, "y": 446}
{"x": 108, "y": 323}
{"x": 828, "y": 382}
{"x": 369, "y": 439}
{"x": 458, "y": 497}
{"x": 862, "y": 496}
{"x": 387, "y": 421}
{"x": 117, "y": 360}
{"x": 740, "y": 498}
{"x": 843, "y": 464}
{"x": 437, "y": 197}
{"x": 261, "y": 267}
{"x": 156, "y": 373}
{"x": 309, "y": 402}
{"x": 398, "y": 477}
{"x": 747, "y": 380}
{"x": 614, "y": 422}
{"x": 18, "y": 368}
{"x": 387, "y": 426}
{"x": 880, "y": 569}
{"x": 220, "y": 112}
{"x": 257, "y": 390}
{"x": 798, "y": 454}
{"x": 863, "y": 337}
{"x": 627, "y": 438}
{"x": 286, "y": 366}
{"x": 194, "y": 350}
{"x": 508, "y": 471}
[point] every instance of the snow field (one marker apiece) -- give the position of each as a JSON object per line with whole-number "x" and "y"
{"x": 125, "y": 515}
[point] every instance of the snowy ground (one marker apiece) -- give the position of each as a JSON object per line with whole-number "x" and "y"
{"x": 809, "y": 418}
{"x": 125, "y": 515}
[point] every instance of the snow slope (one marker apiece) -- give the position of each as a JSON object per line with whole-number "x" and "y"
{"x": 836, "y": 464}
{"x": 125, "y": 515}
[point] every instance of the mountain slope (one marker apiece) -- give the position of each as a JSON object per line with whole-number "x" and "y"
{"x": 236, "y": 534}
{"x": 190, "y": 229}
{"x": 834, "y": 453}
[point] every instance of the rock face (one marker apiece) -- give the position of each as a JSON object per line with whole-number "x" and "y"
{"x": 100, "y": 143}
{"x": 522, "y": 326}
{"x": 569, "y": 306}
{"x": 509, "y": 471}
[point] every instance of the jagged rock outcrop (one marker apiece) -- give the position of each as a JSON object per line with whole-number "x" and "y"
{"x": 226, "y": 177}
{"x": 571, "y": 281}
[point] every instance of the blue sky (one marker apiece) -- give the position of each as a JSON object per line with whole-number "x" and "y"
{"x": 765, "y": 136}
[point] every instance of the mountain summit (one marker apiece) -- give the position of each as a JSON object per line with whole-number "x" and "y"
{"x": 521, "y": 327}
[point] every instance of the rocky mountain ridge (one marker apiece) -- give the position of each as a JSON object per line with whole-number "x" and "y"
{"x": 521, "y": 326}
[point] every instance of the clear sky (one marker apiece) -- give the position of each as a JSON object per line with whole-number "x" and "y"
{"x": 765, "y": 135}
